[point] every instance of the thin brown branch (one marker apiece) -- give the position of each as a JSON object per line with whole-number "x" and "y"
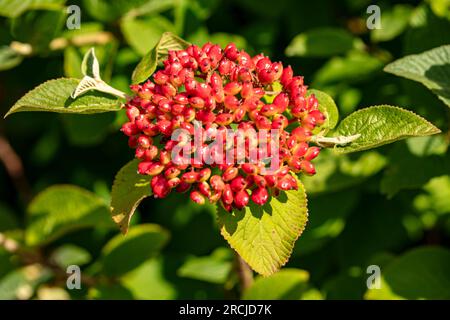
{"x": 245, "y": 273}
{"x": 96, "y": 38}
{"x": 29, "y": 256}
{"x": 14, "y": 168}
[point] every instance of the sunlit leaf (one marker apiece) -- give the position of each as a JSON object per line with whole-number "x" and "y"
{"x": 381, "y": 125}
{"x": 264, "y": 236}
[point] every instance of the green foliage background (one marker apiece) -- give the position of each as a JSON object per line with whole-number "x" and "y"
{"x": 388, "y": 207}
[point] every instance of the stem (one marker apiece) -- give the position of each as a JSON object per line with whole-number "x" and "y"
{"x": 14, "y": 168}
{"x": 245, "y": 273}
{"x": 328, "y": 142}
{"x": 104, "y": 87}
{"x": 29, "y": 257}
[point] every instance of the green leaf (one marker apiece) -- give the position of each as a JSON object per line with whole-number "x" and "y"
{"x": 441, "y": 8}
{"x": 393, "y": 21}
{"x": 323, "y": 42}
{"x": 148, "y": 281}
{"x": 149, "y": 62}
{"x": 61, "y": 209}
{"x": 55, "y": 96}
{"x": 287, "y": 284}
{"x": 14, "y": 8}
{"x": 214, "y": 268}
{"x": 38, "y": 27}
{"x": 143, "y": 34}
{"x": 128, "y": 190}
{"x": 70, "y": 254}
{"x": 328, "y": 108}
{"x": 431, "y": 68}
{"x": 9, "y": 58}
{"x": 124, "y": 253}
{"x": 418, "y": 274}
{"x": 264, "y": 236}
{"x": 21, "y": 283}
{"x": 354, "y": 67}
{"x": 381, "y": 125}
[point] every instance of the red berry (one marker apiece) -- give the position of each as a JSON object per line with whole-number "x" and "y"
{"x": 197, "y": 197}
{"x": 227, "y": 195}
{"x": 260, "y": 196}
{"x": 238, "y": 184}
{"x": 241, "y": 199}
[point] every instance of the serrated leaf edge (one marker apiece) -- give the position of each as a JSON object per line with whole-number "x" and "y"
{"x": 284, "y": 261}
{"x": 435, "y": 129}
{"x": 124, "y": 223}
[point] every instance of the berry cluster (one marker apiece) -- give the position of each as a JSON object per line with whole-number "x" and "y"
{"x": 222, "y": 89}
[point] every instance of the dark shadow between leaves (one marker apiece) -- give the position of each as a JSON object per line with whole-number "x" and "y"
{"x": 231, "y": 220}
{"x": 440, "y": 74}
{"x": 295, "y": 292}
